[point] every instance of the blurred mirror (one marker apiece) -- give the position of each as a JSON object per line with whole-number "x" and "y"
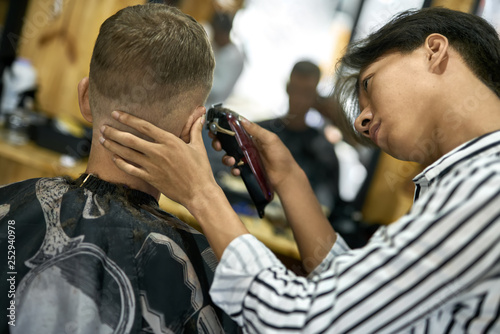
{"x": 274, "y": 35}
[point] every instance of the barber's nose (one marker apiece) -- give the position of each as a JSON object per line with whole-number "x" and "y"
{"x": 362, "y": 122}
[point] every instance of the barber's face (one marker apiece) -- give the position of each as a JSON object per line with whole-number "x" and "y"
{"x": 396, "y": 105}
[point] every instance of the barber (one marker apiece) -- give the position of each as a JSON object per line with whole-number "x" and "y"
{"x": 425, "y": 88}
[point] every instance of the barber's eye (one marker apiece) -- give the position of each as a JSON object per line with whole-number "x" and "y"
{"x": 365, "y": 84}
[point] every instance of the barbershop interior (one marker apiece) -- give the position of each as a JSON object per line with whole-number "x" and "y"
{"x": 46, "y": 46}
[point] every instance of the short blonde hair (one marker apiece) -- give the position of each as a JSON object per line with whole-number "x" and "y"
{"x": 150, "y": 54}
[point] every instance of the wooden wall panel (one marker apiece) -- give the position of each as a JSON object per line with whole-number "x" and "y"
{"x": 201, "y": 10}
{"x": 390, "y": 195}
{"x": 461, "y": 5}
{"x": 60, "y": 46}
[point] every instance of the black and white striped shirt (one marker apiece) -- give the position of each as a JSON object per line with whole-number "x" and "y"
{"x": 435, "y": 270}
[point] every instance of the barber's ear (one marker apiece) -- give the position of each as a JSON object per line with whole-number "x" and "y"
{"x": 195, "y": 115}
{"x": 436, "y": 46}
{"x": 83, "y": 99}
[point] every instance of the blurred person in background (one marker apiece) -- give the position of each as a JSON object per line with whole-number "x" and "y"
{"x": 308, "y": 145}
{"x": 229, "y": 59}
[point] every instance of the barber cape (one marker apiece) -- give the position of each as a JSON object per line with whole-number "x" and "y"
{"x": 94, "y": 257}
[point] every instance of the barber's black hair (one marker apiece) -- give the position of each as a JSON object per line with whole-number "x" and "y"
{"x": 471, "y": 36}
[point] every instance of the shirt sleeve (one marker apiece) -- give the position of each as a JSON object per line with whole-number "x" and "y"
{"x": 432, "y": 259}
{"x": 242, "y": 260}
{"x": 246, "y": 259}
{"x": 339, "y": 247}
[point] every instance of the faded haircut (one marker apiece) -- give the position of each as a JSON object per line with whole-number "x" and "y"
{"x": 472, "y": 37}
{"x": 147, "y": 55}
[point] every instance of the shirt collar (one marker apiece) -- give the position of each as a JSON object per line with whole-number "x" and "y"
{"x": 484, "y": 145}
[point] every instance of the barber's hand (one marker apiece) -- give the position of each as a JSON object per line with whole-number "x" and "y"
{"x": 277, "y": 159}
{"x": 180, "y": 170}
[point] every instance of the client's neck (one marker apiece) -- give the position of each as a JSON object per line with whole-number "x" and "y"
{"x": 101, "y": 165}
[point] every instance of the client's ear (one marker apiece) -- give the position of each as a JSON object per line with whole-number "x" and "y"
{"x": 83, "y": 99}
{"x": 197, "y": 113}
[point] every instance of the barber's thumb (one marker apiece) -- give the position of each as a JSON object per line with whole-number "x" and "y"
{"x": 258, "y": 133}
{"x": 196, "y": 129}
{"x": 250, "y": 127}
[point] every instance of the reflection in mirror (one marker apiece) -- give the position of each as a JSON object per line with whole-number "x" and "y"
{"x": 274, "y": 35}
{"x": 490, "y": 11}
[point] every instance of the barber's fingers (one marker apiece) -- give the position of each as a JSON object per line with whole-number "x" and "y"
{"x": 136, "y": 163}
{"x": 123, "y": 144}
{"x": 216, "y": 145}
{"x": 230, "y": 162}
{"x": 130, "y": 169}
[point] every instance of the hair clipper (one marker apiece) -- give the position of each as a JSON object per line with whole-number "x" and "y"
{"x": 225, "y": 124}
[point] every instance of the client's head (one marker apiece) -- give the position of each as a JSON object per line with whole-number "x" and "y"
{"x": 152, "y": 61}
